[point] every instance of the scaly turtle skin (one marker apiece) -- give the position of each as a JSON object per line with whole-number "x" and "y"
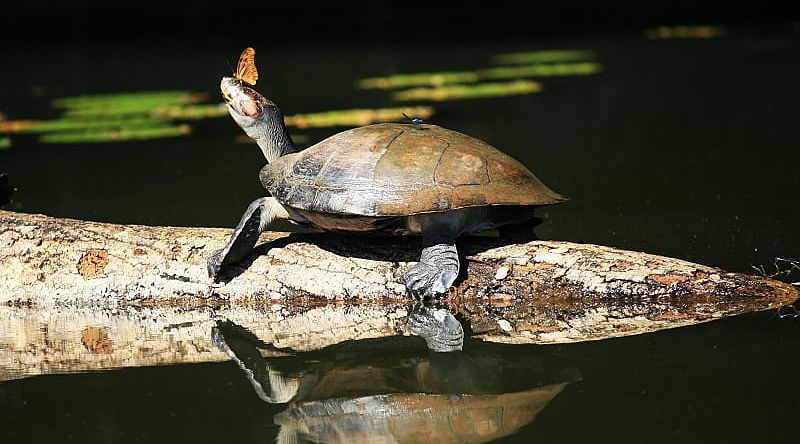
{"x": 402, "y": 178}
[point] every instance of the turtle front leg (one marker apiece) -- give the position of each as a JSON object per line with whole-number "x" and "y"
{"x": 438, "y": 266}
{"x": 255, "y": 219}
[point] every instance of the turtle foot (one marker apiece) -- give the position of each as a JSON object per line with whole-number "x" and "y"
{"x": 255, "y": 219}
{"x": 434, "y": 274}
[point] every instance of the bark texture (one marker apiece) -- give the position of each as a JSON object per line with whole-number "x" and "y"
{"x": 78, "y": 295}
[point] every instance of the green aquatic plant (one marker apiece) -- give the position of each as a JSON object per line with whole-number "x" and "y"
{"x": 139, "y": 115}
{"x": 156, "y": 123}
{"x": 356, "y": 117}
{"x": 5, "y": 143}
{"x": 152, "y": 98}
{"x": 543, "y": 70}
{"x": 346, "y": 117}
{"x": 128, "y": 109}
{"x": 118, "y": 135}
{"x": 417, "y": 79}
{"x": 500, "y": 72}
{"x": 149, "y": 115}
{"x": 191, "y": 112}
{"x": 84, "y": 125}
{"x": 545, "y": 56}
{"x": 684, "y": 32}
{"x": 480, "y": 90}
{"x": 118, "y": 117}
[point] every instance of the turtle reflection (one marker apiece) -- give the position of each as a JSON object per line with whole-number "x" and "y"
{"x": 394, "y": 389}
{"x": 440, "y": 329}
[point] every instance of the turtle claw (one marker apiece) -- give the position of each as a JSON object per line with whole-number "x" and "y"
{"x": 426, "y": 281}
{"x": 214, "y": 263}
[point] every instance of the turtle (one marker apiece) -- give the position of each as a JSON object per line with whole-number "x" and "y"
{"x": 399, "y": 178}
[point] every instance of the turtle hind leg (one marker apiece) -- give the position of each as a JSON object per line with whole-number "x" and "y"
{"x": 438, "y": 266}
{"x": 259, "y": 214}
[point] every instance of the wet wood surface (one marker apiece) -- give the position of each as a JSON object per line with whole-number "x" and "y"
{"x": 78, "y": 295}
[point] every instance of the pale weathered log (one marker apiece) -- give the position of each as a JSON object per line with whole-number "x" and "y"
{"x": 84, "y": 295}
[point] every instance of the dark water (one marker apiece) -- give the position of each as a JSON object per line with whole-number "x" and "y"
{"x": 686, "y": 148}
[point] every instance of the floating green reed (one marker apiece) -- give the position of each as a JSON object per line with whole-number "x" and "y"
{"x": 87, "y": 125}
{"x": 347, "y": 117}
{"x": 356, "y": 117}
{"x": 5, "y": 143}
{"x": 684, "y": 32}
{"x": 416, "y": 79}
{"x": 480, "y": 90}
{"x": 543, "y": 70}
{"x": 191, "y": 112}
{"x": 119, "y": 117}
{"x": 91, "y": 122}
{"x": 500, "y": 72}
{"x": 124, "y": 104}
{"x": 546, "y": 56}
{"x": 149, "y": 115}
{"x": 154, "y": 98}
{"x": 122, "y": 134}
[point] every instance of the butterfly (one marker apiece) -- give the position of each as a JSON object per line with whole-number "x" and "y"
{"x": 246, "y": 68}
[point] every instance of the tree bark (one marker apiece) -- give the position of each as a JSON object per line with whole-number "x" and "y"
{"x": 93, "y": 295}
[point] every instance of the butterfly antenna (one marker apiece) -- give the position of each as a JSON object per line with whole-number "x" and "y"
{"x": 230, "y": 68}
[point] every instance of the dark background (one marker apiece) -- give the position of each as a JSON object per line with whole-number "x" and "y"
{"x": 682, "y": 147}
{"x": 363, "y": 21}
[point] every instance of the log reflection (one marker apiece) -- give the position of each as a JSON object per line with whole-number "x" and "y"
{"x": 396, "y": 389}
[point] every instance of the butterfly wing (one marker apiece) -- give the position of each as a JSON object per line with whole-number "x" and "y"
{"x": 246, "y": 69}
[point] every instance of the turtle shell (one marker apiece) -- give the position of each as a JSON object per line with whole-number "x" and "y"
{"x": 395, "y": 169}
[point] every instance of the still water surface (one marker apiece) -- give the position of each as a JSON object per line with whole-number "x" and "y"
{"x": 680, "y": 147}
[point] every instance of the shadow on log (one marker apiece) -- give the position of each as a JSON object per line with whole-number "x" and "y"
{"x": 85, "y": 295}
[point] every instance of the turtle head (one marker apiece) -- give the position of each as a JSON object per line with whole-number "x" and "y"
{"x": 259, "y": 117}
{"x": 245, "y": 104}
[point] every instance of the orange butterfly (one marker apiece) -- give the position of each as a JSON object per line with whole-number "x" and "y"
{"x": 246, "y": 69}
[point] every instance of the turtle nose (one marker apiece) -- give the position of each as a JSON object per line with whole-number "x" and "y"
{"x": 225, "y": 87}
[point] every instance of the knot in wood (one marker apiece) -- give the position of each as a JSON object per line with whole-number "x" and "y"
{"x": 96, "y": 340}
{"x": 92, "y": 263}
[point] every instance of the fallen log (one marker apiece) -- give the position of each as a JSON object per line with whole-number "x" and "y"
{"x": 96, "y": 289}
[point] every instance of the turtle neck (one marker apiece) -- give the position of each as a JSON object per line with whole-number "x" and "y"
{"x": 271, "y": 135}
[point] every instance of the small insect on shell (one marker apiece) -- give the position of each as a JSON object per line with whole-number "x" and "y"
{"x": 246, "y": 68}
